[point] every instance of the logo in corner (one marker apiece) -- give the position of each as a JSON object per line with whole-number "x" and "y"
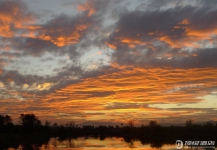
{"x": 179, "y": 144}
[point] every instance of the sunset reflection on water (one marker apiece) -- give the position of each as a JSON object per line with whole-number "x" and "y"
{"x": 93, "y": 143}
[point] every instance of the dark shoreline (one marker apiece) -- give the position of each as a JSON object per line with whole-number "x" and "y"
{"x": 15, "y": 135}
{"x": 31, "y": 134}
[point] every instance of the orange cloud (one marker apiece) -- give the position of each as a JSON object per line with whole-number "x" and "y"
{"x": 132, "y": 91}
{"x": 64, "y": 38}
{"x": 184, "y": 22}
{"x": 112, "y": 46}
{"x": 179, "y": 43}
{"x": 191, "y": 36}
{"x": 24, "y": 22}
{"x": 182, "y": 35}
{"x": 87, "y": 6}
{"x": 128, "y": 41}
{"x": 128, "y": 93}
{"x": 18, "y": 17}
{"x": 132, "y": 42}
{"x": 203, "y": 34}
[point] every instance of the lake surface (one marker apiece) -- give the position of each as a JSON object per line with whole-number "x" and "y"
{"x": 89, "y": 143}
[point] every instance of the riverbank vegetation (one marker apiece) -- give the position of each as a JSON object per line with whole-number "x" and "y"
{"x": 31, "y": 133}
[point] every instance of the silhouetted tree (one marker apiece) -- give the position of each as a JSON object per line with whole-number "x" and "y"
{"x": 153, "y": 123}
{"x": 209, "y": 124}
{"x": 131, "y": 123}
{"x": 29, "y": 120}
{"x": 189, "y": 123}
{"x": 70, "y": 124}
{"x": 8, "y": 119}
{"x": 2, "y": 120}
{"x": 47, "y": 123}
{"x": 55, "y": 124}
{"x": 5, "y": 120}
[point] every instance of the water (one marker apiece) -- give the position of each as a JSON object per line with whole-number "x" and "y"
{"x": 92, "y": 143}
{"x": 89, "y": 143}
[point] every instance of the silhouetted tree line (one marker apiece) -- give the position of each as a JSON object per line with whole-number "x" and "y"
{"x": 5, "y": 120}
{"x": 31, "y": 133}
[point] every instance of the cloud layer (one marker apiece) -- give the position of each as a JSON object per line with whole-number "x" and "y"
{"x": 109, "y": 61}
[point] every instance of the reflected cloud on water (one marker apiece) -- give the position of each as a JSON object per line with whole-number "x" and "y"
{"x": 87, "y": 143}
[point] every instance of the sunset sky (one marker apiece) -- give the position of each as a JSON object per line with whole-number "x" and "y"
{"x": 109, "y": 60}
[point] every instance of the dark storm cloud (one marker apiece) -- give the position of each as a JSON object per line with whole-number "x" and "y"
{"x": 61, "y": 34}
{"x": 64, "y": 30}
{"x": 17, "y": 31}
{"x": 13, "y": 16}
{"x": 10, "y": 55}
{"x": 33, "y": 46}
{"x": 157, "y": 38}
{"x": 143, "y": 23}
{"x": 56, "y": 36}
{"x": 195, "y": 59}
{"x": 14, "y": 76}
{"x": 148, "y": 25}
{"x": 68, "y": 35}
